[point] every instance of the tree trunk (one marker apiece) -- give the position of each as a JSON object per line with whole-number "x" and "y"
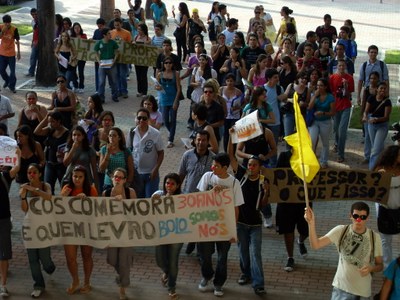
{"x": 47, "y": 63}
{"x": 107, "y": 10}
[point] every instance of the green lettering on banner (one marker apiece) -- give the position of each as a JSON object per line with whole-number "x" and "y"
{"x": 106, "y": 222}
{"x": 137, "y": 54}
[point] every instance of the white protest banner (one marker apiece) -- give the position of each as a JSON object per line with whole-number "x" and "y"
{"x": 106, "y": 222}
{"x": 246, "y": 128}
{"x": 7, "y": 151}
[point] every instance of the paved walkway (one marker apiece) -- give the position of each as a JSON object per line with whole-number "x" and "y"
{"x": 312, "y": 277}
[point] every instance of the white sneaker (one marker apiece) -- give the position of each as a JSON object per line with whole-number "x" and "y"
{"x": 268, "y": 222}
{"x": 203, "y": 285}
{"x": 4, "y": 292}
{"x": 218, "y": 291}
{"x": 36, "y": 293}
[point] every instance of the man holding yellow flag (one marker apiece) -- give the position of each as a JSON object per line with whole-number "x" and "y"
{"x": 305, "y": 165}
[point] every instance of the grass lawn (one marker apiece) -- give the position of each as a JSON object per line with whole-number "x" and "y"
{"x": 6, "y": 8}
{"x": 392, "y": 56}
{"x": 23, "y": 29}
{"x": 356, "y": 117}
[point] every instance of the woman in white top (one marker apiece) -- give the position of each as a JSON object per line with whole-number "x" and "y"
{"x": 389, "y": 162}
{"x": 199, "y": 76}
{"x": 234, "y": 104}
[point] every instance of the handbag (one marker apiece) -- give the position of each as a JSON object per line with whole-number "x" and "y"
{"x": 310, "y": 117}
{"x": 388, "y": 220}
{"x": 73, "y": 62}
{"x": 287, "y": 108}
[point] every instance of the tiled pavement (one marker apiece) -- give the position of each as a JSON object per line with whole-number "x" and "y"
{"x": 311, "y": 278}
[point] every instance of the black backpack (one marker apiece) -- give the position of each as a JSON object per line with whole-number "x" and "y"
{"x": 211, "y": 28}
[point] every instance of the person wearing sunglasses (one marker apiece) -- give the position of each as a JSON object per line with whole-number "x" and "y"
{"x": 168, "y": 96}
{"x": 360, "y": 252}
{"x": 148, "y": 154}
{"x": 121, "y": 258}
{"x": 63, "y": 101}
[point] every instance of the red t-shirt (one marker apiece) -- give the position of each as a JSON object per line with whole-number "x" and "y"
{"x": 74, "y": 192}
{"x": 336, "y": 85}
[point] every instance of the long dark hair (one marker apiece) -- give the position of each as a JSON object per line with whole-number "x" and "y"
{"x": 168, "y": 58}
{"x": 388, "y": 157}
{"x": 257, "y": 92}
{"x": 207, "y": 74}
{"x": 152, "y": 100}
{"x": 184, "y": 10}
{"x": 86, "y": 187}
{"x": 107, "y": 113}
{"x": 144, "y": 28}
{"x": 98, "y": 107}
{"x": 240, "y": 35}
{"x": 121, "y": 143}
{"x": 73, "y": 33}
{"x": 176, "y": 178}
{"x": 27, "y": 131}
{"x": 213, "y": 11}
{"x": 286, "y": 59}
{"x": 326, "y": 83}
{"x": 85, "y": 142}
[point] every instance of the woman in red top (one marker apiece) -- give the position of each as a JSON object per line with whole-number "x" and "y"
{"x": 79, "y": 185}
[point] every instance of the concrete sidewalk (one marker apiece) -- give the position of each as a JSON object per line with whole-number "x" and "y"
{"x": 312, "y": 277}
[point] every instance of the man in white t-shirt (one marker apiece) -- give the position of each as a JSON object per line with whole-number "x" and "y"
{"x": 6, "y": 111}
{"x": 148, "y": 154}
{"x": 217, "y": 179}
{"x": 230, "y": 30}
{"x": 360, "y": 253}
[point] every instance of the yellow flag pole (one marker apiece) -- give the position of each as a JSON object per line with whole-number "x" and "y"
{"x": 303, "y": 172}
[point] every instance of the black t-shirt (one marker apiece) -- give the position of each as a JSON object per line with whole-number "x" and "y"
{"x": 250, "y": 56}
{"x": 215, "y": 113}
{"x": 175, "y": 58}
{"x": 5, "y": 178}
{"x": 377, "y": 108}
{"x": 248, "y": 212}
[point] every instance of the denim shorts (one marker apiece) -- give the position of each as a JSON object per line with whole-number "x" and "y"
{"x": 338, "y": 294}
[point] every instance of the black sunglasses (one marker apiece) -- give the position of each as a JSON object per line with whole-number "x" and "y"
{"x": 362, "y": 217}
{"x": 60, "y": 81}
{"x": 140, "y": 118}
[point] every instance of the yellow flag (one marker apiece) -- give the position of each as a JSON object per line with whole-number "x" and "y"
{"x": 303, "y": 161}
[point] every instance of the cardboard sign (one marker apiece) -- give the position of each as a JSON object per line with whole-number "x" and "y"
{"x": 106, "y": 222}
{"x": 137, "y": 54}
{"x": 247, "y": 128}
{"x": 7, "y": 151}
{"x": 328, "y": 185}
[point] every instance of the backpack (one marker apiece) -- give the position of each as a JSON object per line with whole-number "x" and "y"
{"x": 136, "y": 184}
{"x": 371, "y": 238}
{"x": 212, "y": 28}
{"x": 364, "y": 67}
{"x": 260, "y": 187}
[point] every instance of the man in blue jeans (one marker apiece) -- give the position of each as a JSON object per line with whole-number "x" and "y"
{"x": 275, "y": 95}
{"x": 217, "y": 179}
{"x": 249, "y": 229}
{"x": 342, "y": 85}
{"x": 9, "y": 37}
{"x": 148, "y": 154}
{"x": 107, "y": 54}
